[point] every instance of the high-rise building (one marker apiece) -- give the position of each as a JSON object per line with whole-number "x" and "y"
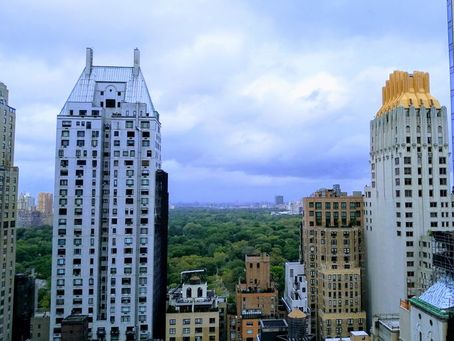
{"x": 25, "y": 202}
{"x": 451, "y": 63}
{"x": 333, "y": 258}
{"x": 44, "y": 208}
{"x": 409, "y": 197}
{"x": 25, "y": 297}
{"x": 110, "y": 209}
{"x": 45, "y": 203}
{"x": 8, "y": 197}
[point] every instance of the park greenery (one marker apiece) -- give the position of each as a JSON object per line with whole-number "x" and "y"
{"x": 215, "y": 240}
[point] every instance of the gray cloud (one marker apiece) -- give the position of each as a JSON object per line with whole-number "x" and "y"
{"x": 256, "y": 98}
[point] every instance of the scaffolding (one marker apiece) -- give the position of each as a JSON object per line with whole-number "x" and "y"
{"x": 443, "y": 254}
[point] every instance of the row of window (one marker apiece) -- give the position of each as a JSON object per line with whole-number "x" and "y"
{"x": 187, "y": 330}
{"x": 197, "y": 320}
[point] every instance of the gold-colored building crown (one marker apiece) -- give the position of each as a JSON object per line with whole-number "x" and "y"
{"x": 405, "y": 90}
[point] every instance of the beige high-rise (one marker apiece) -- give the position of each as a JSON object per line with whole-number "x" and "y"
{"x": 45, "y": 203}
{"x": 8, "y": 198}
{"x": 332, "y": 249}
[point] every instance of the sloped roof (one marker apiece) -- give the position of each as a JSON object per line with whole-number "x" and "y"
{"x": 440, "y": 295}
{"x": 136, "y": 88}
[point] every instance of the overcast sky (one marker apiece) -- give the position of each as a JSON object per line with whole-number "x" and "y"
{"x": 256, "y": 98}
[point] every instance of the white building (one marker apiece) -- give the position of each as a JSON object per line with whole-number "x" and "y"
{"x": 409, "y": 194}
{"x": 194, "y": 311}
{"x": 109, "y": 237}
{"x": 431, "y": 315}
{"x": 25, "y": 202}
{"x": 295, "y": 293}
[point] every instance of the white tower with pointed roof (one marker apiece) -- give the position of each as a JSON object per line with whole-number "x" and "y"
{"x": 108, "y": 153}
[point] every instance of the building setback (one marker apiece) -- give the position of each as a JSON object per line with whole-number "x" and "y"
{"x": 409, "y": 197}
{"x": 333, "y": 257}
{"x": 8, "y": 198}
{"x": 110, "y": 207}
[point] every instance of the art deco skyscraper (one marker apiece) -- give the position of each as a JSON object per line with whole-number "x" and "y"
{"x": 410, "y": 191}
{"x": 8, "y": 197}
{"x": 110, "y": 209}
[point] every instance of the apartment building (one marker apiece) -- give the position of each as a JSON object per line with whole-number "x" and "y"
{"x": 8, "y": 197}
{"x": 256, "y": 297}
{"x": 109, "y": 247}
{"x": 409, "y": 196}
{"x": 193, "y": 313}
{"x": 333, "y": 258}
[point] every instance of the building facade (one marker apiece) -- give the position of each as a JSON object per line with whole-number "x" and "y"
{"x": 256, "y": 297}
{"x": 45, "y": 201}
{"x": 295, "y": 292}
{"x": 193, "y": 313}
{"x": 25, "y": 303}
{"x": 450, "y": 5}
{"x": 8, "y": 198}
{"x": 333, "y": 258}
{"x": 110, "y": 206}
{"x": 409, "y": 197}
{"x": 39, "y": 327}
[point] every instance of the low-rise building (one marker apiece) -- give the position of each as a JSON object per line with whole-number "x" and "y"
{"x": 295, "y": 292}
{"x": 193, "y": 310}
{"x": 39, "y": 327}
{"x": 256, "y": 297}
{"x": 385, "y": 327}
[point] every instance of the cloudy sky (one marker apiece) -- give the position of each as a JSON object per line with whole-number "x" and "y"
{"x": 257, "y": 97}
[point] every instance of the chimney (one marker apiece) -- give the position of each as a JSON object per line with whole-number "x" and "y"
{"x": 88, "y": 61}
{"x": 136, "y": 61}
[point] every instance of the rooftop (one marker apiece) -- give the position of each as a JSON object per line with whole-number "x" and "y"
{"x": 438, "y": 300}
{"x": 273, "y": 324}
{"x": 405, "y": 90}
{"x": 136, "y": 88}
{"x": 440, "y": 295}
{"x": 359, "y": 333}
{"x": 392, "y": 324}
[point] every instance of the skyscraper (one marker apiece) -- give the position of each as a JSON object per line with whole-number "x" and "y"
{"x": 8, "y": 197}
{"x": 333, "y": 257}
{"x": 409, "y": 196}
{"x": 110, "y": 207}
{"x": 45, "y": 203}
{"x": 451, "y": 64}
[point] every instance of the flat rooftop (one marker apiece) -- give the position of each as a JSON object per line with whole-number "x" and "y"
{"x": 273, "y": 323}
{"x": 390, "y": 323}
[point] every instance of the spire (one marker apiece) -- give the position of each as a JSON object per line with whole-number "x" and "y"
{"x": 136, "y": 61}
{"x": 88, "y": 61}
